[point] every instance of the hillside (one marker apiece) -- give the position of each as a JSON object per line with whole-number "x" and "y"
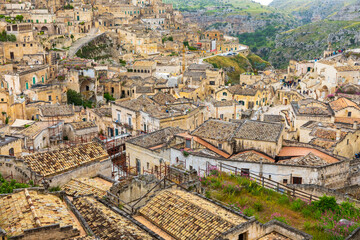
{"x": 309, "y": 41}
{"x": 310, "y": 10}
{"x": 232, "y": 16}
{"x": 236, "y": 65}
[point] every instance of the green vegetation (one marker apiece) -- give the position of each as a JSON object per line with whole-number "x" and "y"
{"x": 8, "y": 187}
{"x": 236, "y": 65}
{"x": 122, "y": 62}
{"x": 68, "y": 6}
{"x": 309, "y": 41}
{"x": 55, "y": 189}
{"x": 4, "y": 37}
{"x": 108, "y": 97}
{"x": 164, "y": 39}
{"x": 19, "y": 18}
{"x": 320, "y": 218}
{"x": 77, "y": 99}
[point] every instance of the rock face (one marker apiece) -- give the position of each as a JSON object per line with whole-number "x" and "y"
{"x": 348, "y": 13}
{"x": 310, "y": 10}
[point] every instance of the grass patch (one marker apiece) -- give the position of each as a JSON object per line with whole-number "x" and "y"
{"x": 321, "y": 218}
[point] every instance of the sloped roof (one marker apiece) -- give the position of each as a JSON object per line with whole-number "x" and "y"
{"x": 86, "y": 186}
{"x": 107, "y": 224}
{"x": 62, "y": 160}
{"x": 216, "y": 130}
{"x": 342, "y": 103}
{"x": 17, "y": 212}
{"x": 156, "y": 138}
{"x": 187, "y": 216}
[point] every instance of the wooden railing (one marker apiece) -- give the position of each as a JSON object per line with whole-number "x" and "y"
{"x": 268, "y": 183}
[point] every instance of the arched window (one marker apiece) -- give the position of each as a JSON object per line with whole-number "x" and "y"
{"x": 242, "y": 103}
{"x": 11, "y": 152}
{"x": 224, "y": 93}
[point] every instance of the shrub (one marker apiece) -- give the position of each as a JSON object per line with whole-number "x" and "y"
{"x": 283, "y": 200}
{"x": 249, "y": 211}
{"x": 258, "y": 206}
{"x": 297, "y": 205}
{"x": 326, "y": 203}
{"x": 207, "y": 194}
{"x": 54, "y": 189}
{"x": 279, "y": 217}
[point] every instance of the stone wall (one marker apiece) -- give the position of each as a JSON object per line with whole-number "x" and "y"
{"x": 91, "y": 169}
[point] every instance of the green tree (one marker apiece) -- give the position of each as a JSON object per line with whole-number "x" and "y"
{"x": 74, "y": 97}
{"x": 19, "y": 18}
{"x": 108, "y": 97}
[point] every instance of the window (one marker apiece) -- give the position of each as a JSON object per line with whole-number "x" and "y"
{"x": 118, "y": 116}
{"x": 42, "y": 78}
{"x": 27, "y": 85}
{"x": 129, "y": 119}
{"x": 147, "y": 165}
{"x": 242, "y": 103}
{"x": 243, "y": 236}
{"x": 45, "y": 21}
{"x": 224, "y": 93}
{"x": 349, "y": 114}
{"x": 245, "y": 172}
{"x": 11, "y": 152}
{"x": 49, "y": 97}
{"x": 17, "y": 45}
{"x": 297, "y": 180}
{"x": 34, "y": 80}
{"x": 285, "y": 181}
{"x": 2, "y": 99}
{"x": 269, "y": 176}
{"x": 220, "y": 146}
{"x": 221, "y": 116}
{"x": 188, "y": 143}
{"x": 116, "y": 132}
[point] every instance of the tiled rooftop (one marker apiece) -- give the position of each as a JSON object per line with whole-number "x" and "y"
{"x": 253, "y": 156}
{"x": 311, "y": 106}
{"x": 30, "y": 209}
{"x": 34, "y": 129}
{"x": 162, "y": 98}
{"x": 216, "y": 129}
{"x": 308, "y": 160}
{"x": 107, "y": 224}
{"x": 82, "y": 125}
{"x": 156, "y": 138}
{"x": 102, "y": 112}
{"x": 58, "y": 161}
{"x": 86, "y": 186}
{"x": 56, "y": 110}
{"x": 342, "y": 103}
{"x": 274, "y": 236}
{"x": 186, "y": 216}
{"x": 245, "y": 129}
{"x": 303, "y": 151}
{"x": 260, "y": 131}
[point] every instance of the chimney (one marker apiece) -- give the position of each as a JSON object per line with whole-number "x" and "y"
{"x": 355, "y": 125}
{"x": 338, "y": 134}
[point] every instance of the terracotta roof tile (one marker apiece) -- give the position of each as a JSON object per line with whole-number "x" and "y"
{"x": 58, "y": 161}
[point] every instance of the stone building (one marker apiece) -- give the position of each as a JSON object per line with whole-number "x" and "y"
{"x": 80, "y": 131}
{"x": 10, "y": 145}
{"x": 146, "y": 115}
{"x": 244, "y": 134}
{"x": 345, "y": 110}
{"x": 25, "y": 79}
{"x": 56, "y": 168}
